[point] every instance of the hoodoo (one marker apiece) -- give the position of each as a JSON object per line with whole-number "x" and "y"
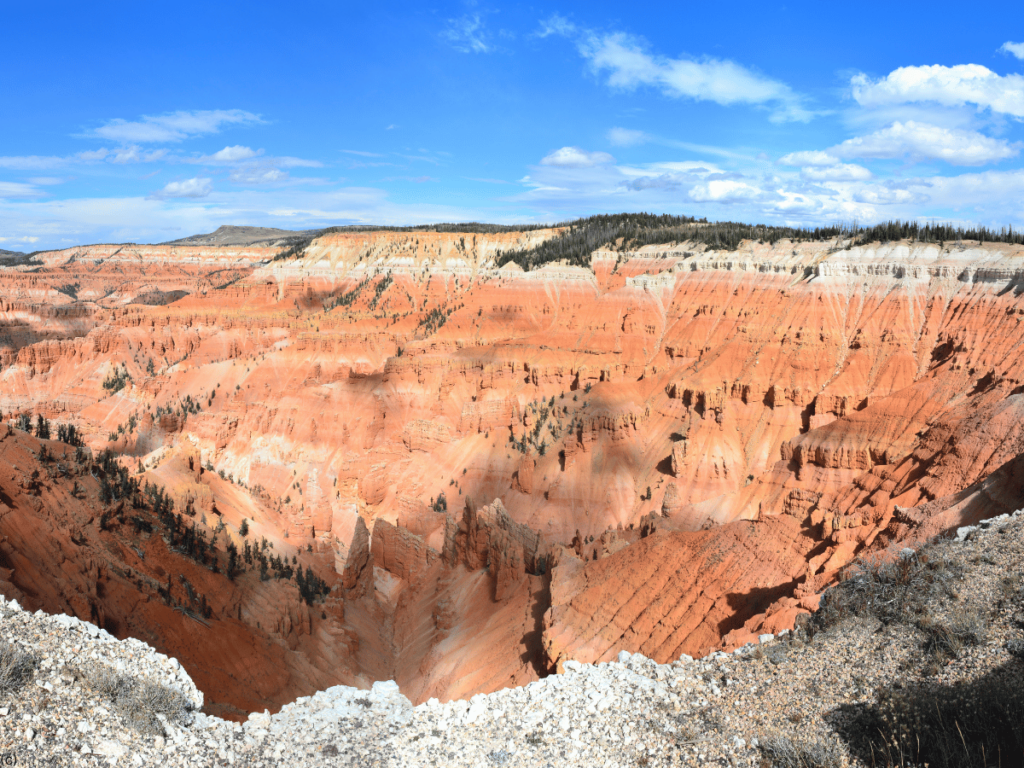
{"x": 462, "y": 459}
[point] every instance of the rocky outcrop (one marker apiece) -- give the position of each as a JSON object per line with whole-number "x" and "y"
{"x": 359, "y": 566}
{"x": 488, "y": 538}
{"x": 396, "y": 550}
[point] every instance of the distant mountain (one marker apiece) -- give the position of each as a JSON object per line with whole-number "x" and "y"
{"x": 231, "y": 235}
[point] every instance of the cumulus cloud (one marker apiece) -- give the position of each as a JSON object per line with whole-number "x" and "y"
{"x": 809, "y": 158}
{"x": 574, "y": 157}
{"x": 172, "y": 127}
{"x": 954, "y": 86}
{"x": 883, "y": 194}
{"x": 666, "y": 175}
{"x": 629, "y": 66}
{"x": 466, "y": 34}
{"x": 920, "y": 141}
{"x": 233, "y": 154}
{"x": 840, "y": 172}
{"x": 194, "y": 188}
{"x": 723, "y": 190}
{"x": 1014, "y": 49}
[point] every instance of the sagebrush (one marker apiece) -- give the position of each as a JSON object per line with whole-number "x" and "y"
{"x": 141, "y": 702}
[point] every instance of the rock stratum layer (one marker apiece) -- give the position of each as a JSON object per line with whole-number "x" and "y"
{"x": 463, "y": 476}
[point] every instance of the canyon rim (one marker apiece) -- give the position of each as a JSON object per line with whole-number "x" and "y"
{"x": 349, "y": 456}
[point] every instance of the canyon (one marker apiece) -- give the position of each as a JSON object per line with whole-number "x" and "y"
{"x": 459, "y": 475}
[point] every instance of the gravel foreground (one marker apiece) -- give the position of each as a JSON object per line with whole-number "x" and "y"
{"x": 70, "y": 694}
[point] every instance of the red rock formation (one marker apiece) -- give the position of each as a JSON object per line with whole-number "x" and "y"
{"x": 671, "y": 593}
{"x": 63, "y": 550}
{"x": 698, "y": 441}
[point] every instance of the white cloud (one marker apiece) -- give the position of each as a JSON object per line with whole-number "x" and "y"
{"x": 233, "y": 154}
{"x": 31, "y": 162}
{"x": 723, "y": 190}
{"x": 13, "y": 189}
{"x": 466, "y": 34}
{"x": 197, "y": 187}
{"x": 809, "y": 158}
{"x": 626, "y": 137}
{"x": 684, "y": 166}
{"x": 949, "y": 86}
{"x": 121, "y": 156}
{"x": 722, "y": 81}
{"x": 663, "y": 181}
{"x": 1014, "y": 49}
{"x": 250, "y": 167}
{"x": 556, "y": 25}
{"x": 673, "y": 175}
{"x": 257, "y": 175}
{"x": 172, "y": 127}
{"x": 361, "y": 153}
{"x": 574, "y": 157}
{"x": 132, "y": 154}
{"x": 60, "y": 223}
{"x": 841, "y": 172}
{"x": 294, "y": 162}
{"x": 797, "y": 203}
{"x": 920, "y": 141}
{"x": 887, "y": 195}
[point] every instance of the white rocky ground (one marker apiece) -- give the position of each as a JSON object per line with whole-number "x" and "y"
{"x": 630, "y": 712}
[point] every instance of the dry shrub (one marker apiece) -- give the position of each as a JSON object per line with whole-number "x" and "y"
{"x": 16, "y": 668}
{"x": 890, "y": 589}
{"x": 947, "y": 639}
{"x": 781, "y": 752}
{"x": 141, "y": 702}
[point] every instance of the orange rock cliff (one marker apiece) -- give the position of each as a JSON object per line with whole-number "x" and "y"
{"x": 458, "y": 476}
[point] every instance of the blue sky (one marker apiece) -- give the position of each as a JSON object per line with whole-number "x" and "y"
{"x": 129, "y": 122}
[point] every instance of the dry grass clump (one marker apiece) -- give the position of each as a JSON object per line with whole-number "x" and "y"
{"x": 947, "y": 639}
{"x": 976, "y": 724}
{"x": 892, "y": 590}
{"x": 781, "y": 752}
{"x": 16, "y": 668}
{"x": 144, "y": 704}
{"x": 972, "y": 723}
